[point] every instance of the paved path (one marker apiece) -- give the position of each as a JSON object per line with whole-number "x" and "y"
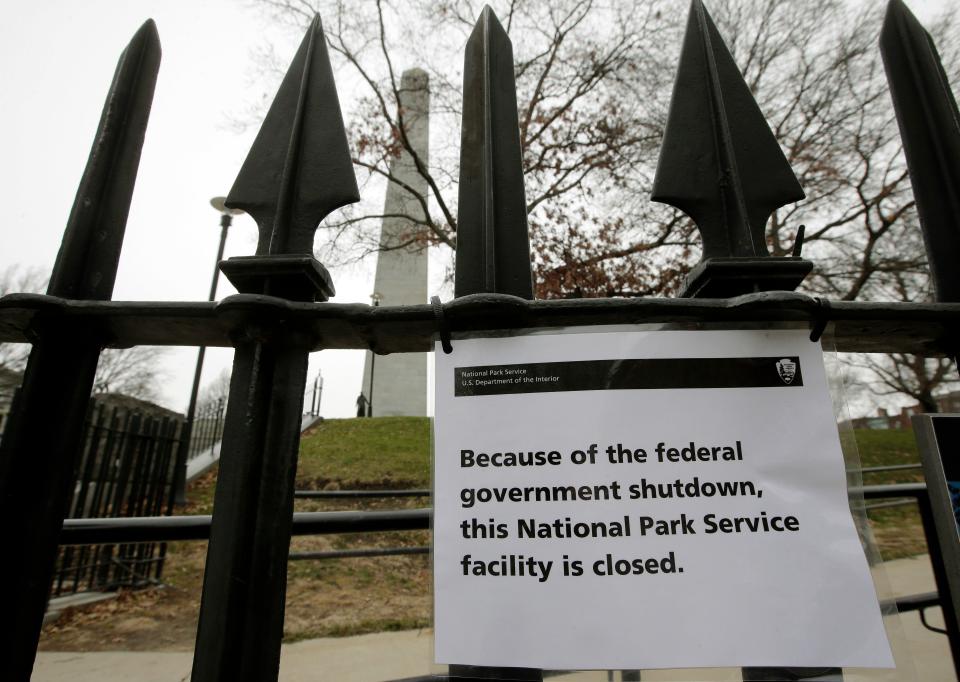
{"x": 394, "y": 655}
{"x": 366, "y": 658}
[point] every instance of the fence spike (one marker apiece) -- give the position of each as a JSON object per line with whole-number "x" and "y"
{"x": 719, "y": 161}
{"x": 86, "y": 266}
{"x": 63, "y": 361}
{"x": 299, "y": 167}
{"x": 493, "y": 246}
{"x": 930, "y": 129}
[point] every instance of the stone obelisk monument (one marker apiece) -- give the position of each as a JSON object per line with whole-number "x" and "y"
{"x": 399, "y": 385}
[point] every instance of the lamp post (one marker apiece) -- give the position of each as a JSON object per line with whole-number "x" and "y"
{"x": 376, "y": 297}
{"x": 226, "y": 219}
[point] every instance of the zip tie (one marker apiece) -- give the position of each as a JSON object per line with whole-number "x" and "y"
{"x": 442, "y": 327}
{"x": 798, "y": 241}
{"x": 821, "y": 318}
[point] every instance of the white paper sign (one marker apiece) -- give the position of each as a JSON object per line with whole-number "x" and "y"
{"x": 651, "y": 499}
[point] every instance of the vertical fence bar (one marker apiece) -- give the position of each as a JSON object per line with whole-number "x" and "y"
{"x": 721, "y": 165}
{"x": 164, "y": 485}
{"x": 493, "y": 243}
{"x": 138, "y": 504}
{"x": 125, "y": 485}
{"x": 177, "y": 435}
{"x": 74, "y": 557}
{"x": 114, "y": 445}
{"x": 728, "y": 174}
{"x": 81, "y": 556}
{"x": 929, "y": 123}
{"x": 298, "y": 170}
{"x": 95, "y": 431}
{"x": 930, "y": 129}
{"x": 60, "y": 372}
{"x": 936, "y": 436}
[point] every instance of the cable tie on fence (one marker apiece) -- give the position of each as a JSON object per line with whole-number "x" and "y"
{"x": 928, "y": 626}
{"x": 442, "y": 327}
{"x": 798, "y": 241}
{"x": 821, "y": 318}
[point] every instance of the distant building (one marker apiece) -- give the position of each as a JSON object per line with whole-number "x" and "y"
{"x": 10, "y": 381}
{"x": 883, "y": 420}
{"x": 128, "y": 403}
{"x": 948, "y": 402}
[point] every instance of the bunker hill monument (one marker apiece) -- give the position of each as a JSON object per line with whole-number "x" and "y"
{"x": 400, "y": 380}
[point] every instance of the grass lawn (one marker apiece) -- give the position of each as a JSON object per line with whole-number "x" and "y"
{"x": 393, "y": 452}
{"x": 897, "y": 530}
{"x": 885, "y": 448}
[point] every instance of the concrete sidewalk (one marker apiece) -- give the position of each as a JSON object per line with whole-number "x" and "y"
{"x": 365, "y": 658}
{"x": 395, "y": 655}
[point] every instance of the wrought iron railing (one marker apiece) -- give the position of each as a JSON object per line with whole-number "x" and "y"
{"x": 207, "y": 427}
{"x": 298, "y": 171}
{"x": 126, "y": 469}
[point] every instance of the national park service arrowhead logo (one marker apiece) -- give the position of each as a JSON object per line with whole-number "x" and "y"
{"x": 787, "y": 369}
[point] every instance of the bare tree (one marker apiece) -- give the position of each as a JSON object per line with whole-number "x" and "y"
{"x": 18, "y": 279}
{"x": 819, "y": 80}
{"x": 901, "y": 374}
{"x": 593, "y": 83}
{"x": 135, "y": 372}
{"x": 591, "y": 113}
{"x": 912, "y": 375}
{"x": 214, "y": 393}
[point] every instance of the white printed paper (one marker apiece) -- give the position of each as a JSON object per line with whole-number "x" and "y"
{"x": 629, "y": 500}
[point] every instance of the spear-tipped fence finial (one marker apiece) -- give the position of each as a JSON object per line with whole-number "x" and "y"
{"x": 930, "y": 129}
{"x": 299, "y": 168}
{"x": 719, "y": 161}
{"x": 493, "y": 245}
{"x": 86, "y": 266}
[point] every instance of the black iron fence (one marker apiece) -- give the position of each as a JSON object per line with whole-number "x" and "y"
{"x": 126, "y": 469}
{"x": 297, "y": 172}
{"x": 207, "y": 427}
{"x": 208, "y": 423}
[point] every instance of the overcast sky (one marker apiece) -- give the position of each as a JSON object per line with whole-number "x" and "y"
{"x": 59, "y": 57}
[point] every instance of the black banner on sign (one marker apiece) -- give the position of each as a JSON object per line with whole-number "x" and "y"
{"x": 612, "y": 375}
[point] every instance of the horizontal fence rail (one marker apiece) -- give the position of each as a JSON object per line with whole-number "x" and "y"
{"x": 197, "y": 527}
{"x": 358, "y": 553}
{"x": 889, "y": 467}
{"x": 154, "y": 529}
{"x": 355, "y": 494}
{"x": 885, "y": 492}
{"x": 921, "y": 328}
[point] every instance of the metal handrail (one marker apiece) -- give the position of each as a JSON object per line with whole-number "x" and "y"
{"x": 358, "y": 553}
{"x": 351, "y": 494}
{"x": 197, "y": 527}
{"x": 888, "y": 467}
